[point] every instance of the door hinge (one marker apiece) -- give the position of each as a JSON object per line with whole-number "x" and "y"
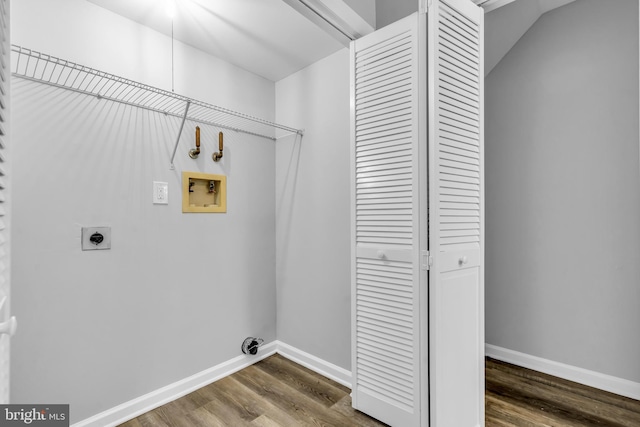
{"x": 427, "y": 260}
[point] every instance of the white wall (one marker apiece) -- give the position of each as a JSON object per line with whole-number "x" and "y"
{"x": 365, "y": 8}
{"x": 504, "y": 26}
{"x": 562, "y": 191}
{"x": 95, "y": 37}
{"x": 391, "y": 11}
{"x": 312, "y": 211}
{"x": 177, "y": 293}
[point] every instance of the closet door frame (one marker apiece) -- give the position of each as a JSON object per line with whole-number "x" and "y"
{"x": 8, "y": 323}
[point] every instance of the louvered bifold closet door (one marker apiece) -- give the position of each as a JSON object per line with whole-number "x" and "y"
{"x": 5, "y": 83}
{"x": 386, "y": 224}
{"x": 456, "y": 231}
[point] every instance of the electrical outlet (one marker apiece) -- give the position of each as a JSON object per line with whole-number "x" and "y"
{"x": 96, "y": 238}
{"x": 160, "y": 193}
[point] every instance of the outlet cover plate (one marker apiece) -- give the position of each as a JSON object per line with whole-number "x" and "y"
{"x": 160, "y": 193}
{"x": 97, "y": 243}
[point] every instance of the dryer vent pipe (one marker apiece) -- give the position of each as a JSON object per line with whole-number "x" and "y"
{"x": 250, "y": 345}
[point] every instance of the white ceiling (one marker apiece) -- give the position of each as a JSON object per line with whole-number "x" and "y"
{"x": 266, "y": 37}
{"x": 273, "y": 39}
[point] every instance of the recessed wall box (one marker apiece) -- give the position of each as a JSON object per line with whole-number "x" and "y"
{"x": 202, "y": 192}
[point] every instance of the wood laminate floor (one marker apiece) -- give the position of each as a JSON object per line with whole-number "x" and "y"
{"x": 518, "y": 396}
{"x": 276, "y": 392}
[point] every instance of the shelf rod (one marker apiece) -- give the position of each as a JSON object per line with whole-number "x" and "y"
{"x": 184, "y": 119}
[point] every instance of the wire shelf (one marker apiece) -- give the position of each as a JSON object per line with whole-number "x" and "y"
{"x": 36, "y": 66}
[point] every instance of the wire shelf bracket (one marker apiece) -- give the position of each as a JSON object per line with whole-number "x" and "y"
{"x": 42, "y": 68}
{"x": 175, "y": 148}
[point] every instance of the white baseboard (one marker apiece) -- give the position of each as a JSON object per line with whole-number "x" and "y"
{"x": 133, "y": 408}
{"x": 579, "y": 375}
{"x": 322, "y": 367}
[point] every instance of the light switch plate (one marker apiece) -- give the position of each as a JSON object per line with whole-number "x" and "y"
{"x": 160, "y": 193}
{"x": 96, "y": 238}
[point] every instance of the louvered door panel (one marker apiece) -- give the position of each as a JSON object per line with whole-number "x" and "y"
{"x": 383, "y": 142}
{"x": 456, "y": 214}
{"x": 459, "y": 156}
{"x": 385, "y": 215}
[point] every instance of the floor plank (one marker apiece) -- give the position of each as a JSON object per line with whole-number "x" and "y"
{"x": 277, "y": 392}
{"x": 304, "y": 409}
{"x": 304, "y": 381}
{"x": 562, "y": 384}
{"x": 523, "y": 397}
{"x": 354, "y": 417}
{"x": 500, "y": 412}
{"x": 265, "y": 421}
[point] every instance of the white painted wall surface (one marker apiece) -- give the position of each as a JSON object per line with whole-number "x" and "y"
{"x": 93, "y": 36}
{"x": 563, "y": 198}
{"x": 364, "y": 8}
{"x": 312, "y": 211}
{"x": 177, "y": 293}
{"x": 390, "y": 11}
{"x": 503, "y": 28}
